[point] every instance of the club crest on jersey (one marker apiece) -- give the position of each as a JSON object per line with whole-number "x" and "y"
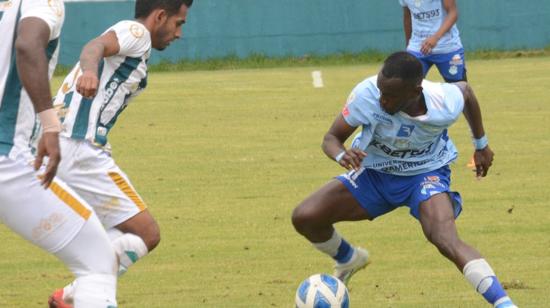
{"x": 453, "y": 70}
{"x": 4, "y": 5}
{"x": 405, "y": 130}
{"x": 137, "y": 30}
{"x": 56, "y": 6}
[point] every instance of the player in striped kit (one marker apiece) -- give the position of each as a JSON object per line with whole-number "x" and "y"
{"x": 46, "y": 212}
{"x": 112, "y": 70}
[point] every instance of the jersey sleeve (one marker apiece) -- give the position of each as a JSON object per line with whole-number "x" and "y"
{"x": 454, "y": 100}
{"x": 355, "y": 111}
{"x": 133, "y": 38}
{"x": 52, "y": 12}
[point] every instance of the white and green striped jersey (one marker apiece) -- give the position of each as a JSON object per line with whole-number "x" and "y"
{"x": 17, "y": 116}
{"x": 121, "y": 77}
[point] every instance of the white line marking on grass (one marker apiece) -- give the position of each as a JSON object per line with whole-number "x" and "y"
{"x": 317, "y": 79}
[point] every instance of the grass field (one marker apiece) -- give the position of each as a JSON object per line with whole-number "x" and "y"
{"x": 222, "y": 158}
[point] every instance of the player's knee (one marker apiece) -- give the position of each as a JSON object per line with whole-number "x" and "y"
{"x": 302, "y": 218}
{"x": 152, "y": 237}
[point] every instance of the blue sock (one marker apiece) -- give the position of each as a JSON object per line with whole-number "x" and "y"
{"x": 482, "y": 277}
{"x": 495, "y": 290}
{"x": 345, "y": 252}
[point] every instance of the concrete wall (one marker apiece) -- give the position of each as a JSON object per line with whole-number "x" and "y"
{"x": 217, "y": 28}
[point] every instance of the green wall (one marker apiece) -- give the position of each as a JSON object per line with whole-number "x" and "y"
{"x": 218, "y": 28}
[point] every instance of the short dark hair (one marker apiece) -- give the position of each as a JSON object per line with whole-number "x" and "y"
{"x": 403, "y": 65}
{"x": 145, "y": 7}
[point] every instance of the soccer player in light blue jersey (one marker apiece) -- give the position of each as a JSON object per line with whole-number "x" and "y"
{"x": 432, "y": 36}
{"x": 401, "y": 158}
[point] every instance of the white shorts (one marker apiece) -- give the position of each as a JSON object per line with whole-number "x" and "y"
{"x": 49, "y": 218}
{"x": 94, "y": 175}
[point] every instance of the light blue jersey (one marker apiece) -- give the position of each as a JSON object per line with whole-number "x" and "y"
{"x": 427, "y": 16}
{"x": 400, "y": 144}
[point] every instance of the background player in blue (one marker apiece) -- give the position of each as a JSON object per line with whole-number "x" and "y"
{"x": 432, "y": 36}
{"x": 401, "y": 158}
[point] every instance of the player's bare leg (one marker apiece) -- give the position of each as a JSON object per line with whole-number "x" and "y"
{"x": 438, "y": 224}
{"x": 314, "y": 219}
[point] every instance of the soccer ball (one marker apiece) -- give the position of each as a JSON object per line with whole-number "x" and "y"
{"x": 322, "y": 291}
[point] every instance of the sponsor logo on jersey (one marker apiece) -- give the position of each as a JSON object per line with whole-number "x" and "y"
{"x": 382, "y": 119}
{"x": 453, "y": 70}
{"x": 405, "y": 130}
{"x": 110, "y": 89}
{"x": 426, "y": 15}
{"x": 404, "y": 153}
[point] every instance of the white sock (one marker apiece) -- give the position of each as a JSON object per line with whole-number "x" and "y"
{"x": 476, "y": 271}
{"x": 129, "y": 249}
{"x": 97, "y": 290}
{"x": 330, "y": 247}
{"x": 114, "y": 233}
{"x": 338, "y": 248}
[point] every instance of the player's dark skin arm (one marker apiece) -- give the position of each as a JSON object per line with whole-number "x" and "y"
{"x": 450, "y": 20}
{"x": 101, "y": 47}
{"x": 407, "y": 25}
{"x": 333, "y": 144}
{"x": 483, "y": 158}
{"x": 32, "y": 66}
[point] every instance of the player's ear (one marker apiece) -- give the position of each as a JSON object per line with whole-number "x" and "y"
{"x": 160, "y": 16}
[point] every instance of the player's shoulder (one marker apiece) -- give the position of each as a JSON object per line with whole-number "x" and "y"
{"x": 132, "y": 28}
{"x": 52, "y": 12}
{"x": 446, "y": 98}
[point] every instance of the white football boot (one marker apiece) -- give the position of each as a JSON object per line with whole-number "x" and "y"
{"x": 359, "y": 260}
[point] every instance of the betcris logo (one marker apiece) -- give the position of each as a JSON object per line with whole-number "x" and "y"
{"x": 405, "y": 130}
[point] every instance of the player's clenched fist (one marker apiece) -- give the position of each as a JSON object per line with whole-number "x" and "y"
{"x": 351, "y": 158}
{"x": 87, "y": 84}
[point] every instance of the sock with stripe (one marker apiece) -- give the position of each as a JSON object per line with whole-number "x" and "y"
{"x": 129, "y": 249}
{"x": 481, "y": 276}
{"x": 336, "y": 247}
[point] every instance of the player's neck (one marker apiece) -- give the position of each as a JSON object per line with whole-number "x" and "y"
{"x": 417, "y": 107}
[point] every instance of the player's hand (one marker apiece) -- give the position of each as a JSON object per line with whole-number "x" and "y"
{"x": 352, "y": 159}
{"x": 428, "y": 45}
{"x": 48, "y": 146}
{"x": 483, "y": 160}
{"x": 87, "y": 84}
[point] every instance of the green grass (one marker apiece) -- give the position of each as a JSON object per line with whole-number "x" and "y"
{"x": 345, "y": 58}
{"x": 222, "y": 158}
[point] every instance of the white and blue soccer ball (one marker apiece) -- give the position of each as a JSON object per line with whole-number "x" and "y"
{"x": 322, "y": 291}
